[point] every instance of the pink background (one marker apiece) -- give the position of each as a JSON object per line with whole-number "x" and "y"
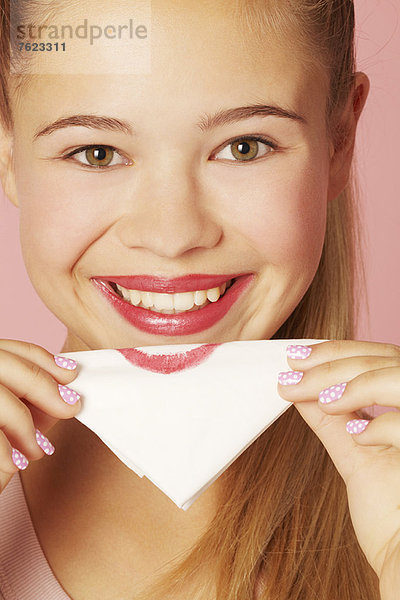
{"x": 24, "y": 317}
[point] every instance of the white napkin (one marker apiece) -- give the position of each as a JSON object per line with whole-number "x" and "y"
{"x": 182, "y": 428}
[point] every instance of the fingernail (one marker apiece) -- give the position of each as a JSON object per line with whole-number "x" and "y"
{"x": 44, "y": 443}
{"x": 68, "y": 395}
{"x": 290, "y": 377}
{"x": 332, "y": 393}
{"x": 357, "y": 425}
{"x": 66, "y": 363}
{"x": 298, "y": 351}
{"x": 19, "y": 459}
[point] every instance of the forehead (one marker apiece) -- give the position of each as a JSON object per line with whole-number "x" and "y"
{"x": 195, "y": 51}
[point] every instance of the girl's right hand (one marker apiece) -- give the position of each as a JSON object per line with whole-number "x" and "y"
{"x": 30, "y": 400}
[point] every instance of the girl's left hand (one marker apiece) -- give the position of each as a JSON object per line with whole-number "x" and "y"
{"x": 367, "y": 374}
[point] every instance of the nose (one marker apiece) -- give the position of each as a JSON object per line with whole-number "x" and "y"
{"x": 169, "y": 215}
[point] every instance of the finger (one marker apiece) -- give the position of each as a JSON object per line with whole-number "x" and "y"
{"x": 299, "y": 359}
{"x": 381, "y": 431}
{"x": 17, "y": 424}
{"x": 28, "y": 380}
{"x": 40, "y": 356}
{"x": 42, "y": 420}
{"x": 379, "y": 387}
{"x": 331, "y": 430}
{"x": 6, "y": 459}
{"x": 303, "y": 386}
{"x": 13, "y": 460}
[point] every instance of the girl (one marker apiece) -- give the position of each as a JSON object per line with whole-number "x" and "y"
{"x": 230, "y": 158}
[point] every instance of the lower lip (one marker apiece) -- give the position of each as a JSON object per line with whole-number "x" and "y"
{"x": 186, "y": 323}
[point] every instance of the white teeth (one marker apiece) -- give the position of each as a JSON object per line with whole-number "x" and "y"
{"x": 135, "y": 297}
{"x": 163, "y": 301}
{"x": 124, "y": 292}
{"x": 183, "y": 301}
{"x": 213, "y": 294}
{"x": 147, "y": 299}
{"x": 173, "y": 303}
{"x": 200, "y": 297}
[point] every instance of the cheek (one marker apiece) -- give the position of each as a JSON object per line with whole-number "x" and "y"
{"x": 284, "y": 219}
{"x": 57, "y": 222}
{"x": 52, "y": 234}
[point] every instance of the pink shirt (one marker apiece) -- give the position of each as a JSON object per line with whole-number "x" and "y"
{"x": 25, "y": 573}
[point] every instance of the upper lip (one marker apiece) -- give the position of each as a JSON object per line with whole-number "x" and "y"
{"x": 185, "y": 283}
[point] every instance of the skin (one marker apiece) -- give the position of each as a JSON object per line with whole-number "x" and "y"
{"x": 369, "y": 461}
{"x": 215, "y": 216}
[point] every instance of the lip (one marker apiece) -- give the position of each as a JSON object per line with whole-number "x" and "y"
{"x": 185, "y": 323}
{"x": 187, "y": 283}
{"x": 168, "y": 363}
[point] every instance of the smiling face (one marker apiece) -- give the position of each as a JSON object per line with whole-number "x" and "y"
{"x": 180, "y": 194}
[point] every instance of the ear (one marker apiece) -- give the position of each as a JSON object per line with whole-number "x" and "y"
{"x": 342, "y": 154}
{"x": 7, "y": 171}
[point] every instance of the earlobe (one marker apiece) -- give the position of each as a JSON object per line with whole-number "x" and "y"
{"x": 7, "y": 173}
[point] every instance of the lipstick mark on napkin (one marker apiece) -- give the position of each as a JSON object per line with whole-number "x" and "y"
{"x": 168, "y": 363}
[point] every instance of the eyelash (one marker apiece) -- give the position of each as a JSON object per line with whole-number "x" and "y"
{"x": 69, "y": 155}
{"x": 257, "y": 138}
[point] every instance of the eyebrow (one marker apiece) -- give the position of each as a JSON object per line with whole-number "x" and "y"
{"x": 207, "y": 122}
{"x": 241, "y": 113}
{"x": 90, "y": 121}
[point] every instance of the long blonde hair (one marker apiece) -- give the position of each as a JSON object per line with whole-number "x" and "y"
{"x": 284, "y": 512}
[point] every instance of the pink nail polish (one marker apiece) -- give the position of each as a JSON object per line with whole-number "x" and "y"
{"x": 298, "y": 351}
{"x": 357, "y": 425}
{"x": 68, "y": 395}
{"x": 19, "y": 459}
{"x": 65, "y": 363}
{"x": 44, "y": 443}
{"x": 332, "y": 393}
{"x": 290, "y": 377}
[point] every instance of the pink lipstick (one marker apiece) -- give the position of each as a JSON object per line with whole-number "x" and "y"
{"x": 160, "y": 285}
{"x": 184, "y": 323}
{"x": 168, "y": 363}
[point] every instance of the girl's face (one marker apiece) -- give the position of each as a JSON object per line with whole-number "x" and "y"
{"x": 174, "y": 198}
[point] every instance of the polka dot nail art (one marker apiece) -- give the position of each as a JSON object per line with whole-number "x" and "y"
{"x": 68, "y": 395}
{"x": 19, "y": 459}
{"x": 44, "y": 443}
{"x": 290, "y": 377}
{"x": 298, "y": 351}
{"x": 333, "y": 393}
{"x": 65, "y": 363}
{"x": 357, "y": 425}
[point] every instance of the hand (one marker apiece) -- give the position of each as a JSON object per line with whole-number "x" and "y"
{"x": 30, "y": 400}
{"x": 368, "y": 462}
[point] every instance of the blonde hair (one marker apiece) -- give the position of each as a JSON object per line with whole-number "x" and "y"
{"x": 284, "y": 517}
